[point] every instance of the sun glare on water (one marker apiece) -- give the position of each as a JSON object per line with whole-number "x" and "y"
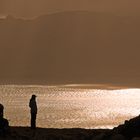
{"x": 69, "y": 107}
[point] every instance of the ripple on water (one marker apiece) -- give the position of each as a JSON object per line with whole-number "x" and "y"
{"x": 70, "y": 107}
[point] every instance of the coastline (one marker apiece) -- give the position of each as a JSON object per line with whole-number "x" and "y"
{"x": 25, "y": 133}
{"x": 129, "y": 130}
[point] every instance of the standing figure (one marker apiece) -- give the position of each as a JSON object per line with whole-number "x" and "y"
{"x": 33, "y": 107}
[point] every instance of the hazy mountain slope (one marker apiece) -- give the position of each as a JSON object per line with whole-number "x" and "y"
{"x": 31, "y": 8}
{"x": 72, "y": 47}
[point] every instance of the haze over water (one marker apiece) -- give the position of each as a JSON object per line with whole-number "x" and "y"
{"x": 68, "y": 107}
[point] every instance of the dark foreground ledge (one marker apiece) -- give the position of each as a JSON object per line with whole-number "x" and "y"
{"x": 130, "y": 130}
{"x": 25, "y": 133}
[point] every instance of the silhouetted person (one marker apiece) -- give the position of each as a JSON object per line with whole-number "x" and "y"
{"x": 33, "y": 107}
{"x": 4, "y": 124}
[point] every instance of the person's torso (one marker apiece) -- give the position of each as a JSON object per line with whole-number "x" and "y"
{"x": 33, "y": 106}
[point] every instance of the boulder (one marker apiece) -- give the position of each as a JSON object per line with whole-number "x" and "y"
{"x": 117, "y": 137}
{"x": 99, "y": 137}
{"x": 136, "y": 138}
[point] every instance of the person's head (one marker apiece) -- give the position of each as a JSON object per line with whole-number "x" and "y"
{"x": 33, "y": 97}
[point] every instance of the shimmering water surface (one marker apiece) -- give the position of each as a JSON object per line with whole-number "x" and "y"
{"x": 61, "y": 107}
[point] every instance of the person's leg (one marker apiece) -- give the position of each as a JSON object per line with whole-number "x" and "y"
{"x": 33, "y": 120}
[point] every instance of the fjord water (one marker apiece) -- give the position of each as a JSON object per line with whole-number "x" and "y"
{"x": 67, "y": 107}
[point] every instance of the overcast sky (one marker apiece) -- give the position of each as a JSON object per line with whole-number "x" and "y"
{"x": 54, "y": 45}
{"x": 29, "y": 8}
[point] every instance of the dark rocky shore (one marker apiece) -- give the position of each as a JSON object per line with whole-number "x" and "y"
{"x": 130, "y": 130}
{"x": 25, "y": 133}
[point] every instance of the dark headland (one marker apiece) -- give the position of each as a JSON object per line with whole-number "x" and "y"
{"x": 130, "y": 130}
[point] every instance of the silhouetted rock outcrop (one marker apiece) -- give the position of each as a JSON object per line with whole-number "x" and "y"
{"x": 4, "y": 124}
{"x": 130, "y": 130}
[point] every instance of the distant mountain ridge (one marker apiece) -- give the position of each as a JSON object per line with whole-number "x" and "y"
{"x": 70, "y": 47}
{"x": 32, "y": 8}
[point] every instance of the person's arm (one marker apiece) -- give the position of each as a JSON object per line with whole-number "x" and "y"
{"x": 30, "y": 104}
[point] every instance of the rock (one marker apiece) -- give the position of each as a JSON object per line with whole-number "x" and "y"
{"x": 25, "y": 137}
{"x": 136, "y": 138}
{"x": 99, "y": 137}
{"x": 130, "y": 129}
{"x": 67, "y": 138}
{"x": 117, "y": 137}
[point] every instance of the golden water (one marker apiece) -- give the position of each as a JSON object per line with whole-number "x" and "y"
{"x": 62, "y": 107}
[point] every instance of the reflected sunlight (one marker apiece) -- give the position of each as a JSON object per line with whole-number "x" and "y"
{"x": 70, "y": 107}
